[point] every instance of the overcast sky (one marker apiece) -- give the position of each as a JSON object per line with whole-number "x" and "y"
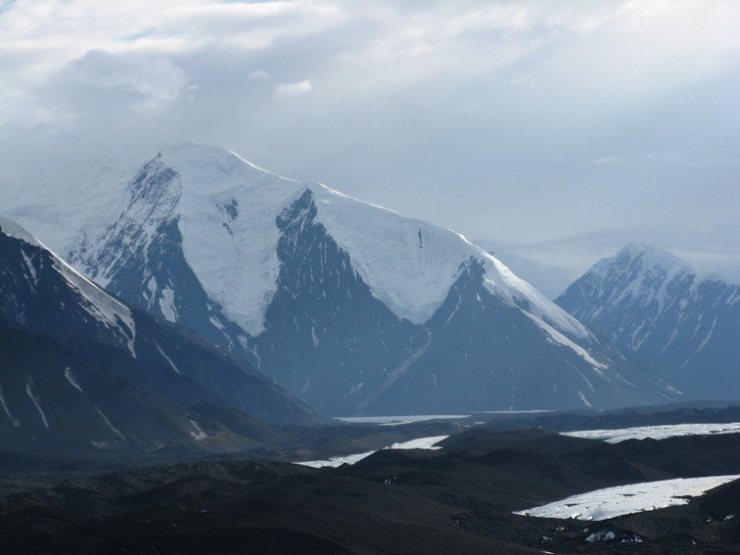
{"x": 517, "y": 121}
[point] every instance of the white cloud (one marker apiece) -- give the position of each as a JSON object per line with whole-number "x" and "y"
{"x": 623, "y": 51}
{"x": 259, "y": 75}
{"x": 501, "y": 100}
{"x": 287, "y": 90}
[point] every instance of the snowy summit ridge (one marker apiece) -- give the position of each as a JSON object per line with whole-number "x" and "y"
{"x": 646, "y": 256}
{"x": 350, "y": 306}
{"x": 408, "y": 264}
{"x": 227, "y": 208}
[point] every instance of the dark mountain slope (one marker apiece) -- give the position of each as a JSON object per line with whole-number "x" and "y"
{"x": 654, "y": 307}
{"x": 82, "y": 369}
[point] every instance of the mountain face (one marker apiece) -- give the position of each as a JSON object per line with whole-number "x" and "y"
{"x": 654, "y": 306}
{"x": 351, "y": 307}
{"x": 82, "y": 368}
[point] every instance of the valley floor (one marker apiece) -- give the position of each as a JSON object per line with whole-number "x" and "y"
{"x": 460, "y": 498}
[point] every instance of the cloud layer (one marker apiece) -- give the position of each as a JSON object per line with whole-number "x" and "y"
{"x": 521, "y": 120}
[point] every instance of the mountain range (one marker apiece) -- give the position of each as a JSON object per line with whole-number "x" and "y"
{"x": 350, "y": 307}
{"x": 166, "y": 379}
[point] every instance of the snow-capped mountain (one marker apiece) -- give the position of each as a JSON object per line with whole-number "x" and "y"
{"x": 650, "y": 303}
{"x": 351, "y": 306}
{"x": 81, "y": 367}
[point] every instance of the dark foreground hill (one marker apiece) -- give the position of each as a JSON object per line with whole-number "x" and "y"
{"x": 456, "y": 500}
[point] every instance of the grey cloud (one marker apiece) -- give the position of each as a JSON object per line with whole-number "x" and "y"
{"x": 516, "y": 120}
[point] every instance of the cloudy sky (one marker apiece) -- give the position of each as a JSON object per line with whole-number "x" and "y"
{"x": 520, "y": 121}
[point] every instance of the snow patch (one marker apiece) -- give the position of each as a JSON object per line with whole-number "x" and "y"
{"x": 109, "y": 423}
{"x": 168, "y": 359}
{"x": 30, "y": 267}
{"x": 585, "y": 401}
{"x": 428, "y": 443}
{"x": 167, "y": 304}
{"x": 601, "y": 536}
{"x": 70, "y": 377}
{"x": 399, "y": 420}
{"x": 32, "y": 396}
{"x": 198, "y": 434}
{"x": 151, "y": 287}
{"x": 4, "y": 404}
{"x": 603, "y": 504}
{"x": 526, "y": 411}
{"x": 657, "y": 432}
{"x": 707, "y": 337}
{"x": 335, "y": 462}
{"x": 216, "y": 323}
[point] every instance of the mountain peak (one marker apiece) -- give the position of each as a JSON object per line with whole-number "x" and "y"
{"x": 195, "y": 152}
{"x": 636, "y": 249}
{"x": 12, "y": 229}
{"x": 646, "y": 256}
{"x": 211, "y": 169}
{"x": 649, "y": 302}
